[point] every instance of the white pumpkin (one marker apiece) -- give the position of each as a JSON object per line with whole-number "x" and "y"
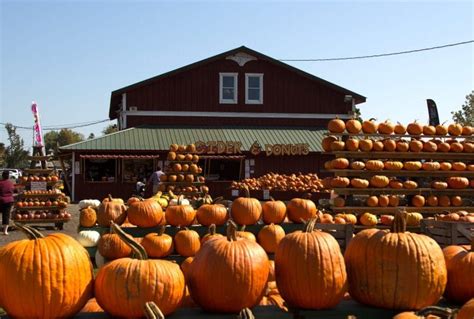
{"x": 99, "y": 259}
{"x": 94, "y": 203}
{"x": 88, "y": 238}
{"x": 175, "y": 202}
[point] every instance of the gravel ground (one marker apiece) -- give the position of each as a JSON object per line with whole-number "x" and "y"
{"x": 70, "y": 227}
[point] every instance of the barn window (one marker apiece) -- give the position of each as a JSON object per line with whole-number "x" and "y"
{"x": 253, "y": 88}
{"x": 228, "y": 88}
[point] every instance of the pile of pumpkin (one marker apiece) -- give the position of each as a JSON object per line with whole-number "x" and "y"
{"x": 387, "y": 269}
{"x": 280, "y": 182}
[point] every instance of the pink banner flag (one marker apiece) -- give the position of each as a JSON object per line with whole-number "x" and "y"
{"x": 38, "y": 134}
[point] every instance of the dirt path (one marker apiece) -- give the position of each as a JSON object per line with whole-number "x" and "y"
{"x": 70, "y": 228}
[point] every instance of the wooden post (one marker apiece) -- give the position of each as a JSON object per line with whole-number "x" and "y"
{"x": 65, "y": 176}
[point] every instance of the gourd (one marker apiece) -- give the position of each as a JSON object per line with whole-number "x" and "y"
{"x": 94, "y": 203}
{"x": 88, "y": 238}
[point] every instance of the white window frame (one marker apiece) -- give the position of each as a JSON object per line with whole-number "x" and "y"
{"x": 260, "y": 76}
{"x": 236, "y": 88}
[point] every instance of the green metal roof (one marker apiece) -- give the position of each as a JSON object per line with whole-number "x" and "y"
{"x": 150, "y": 138}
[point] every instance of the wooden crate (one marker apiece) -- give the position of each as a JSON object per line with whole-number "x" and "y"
{"x": 448, "y": 233}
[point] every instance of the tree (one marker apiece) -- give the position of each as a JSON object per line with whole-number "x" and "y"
{"x": 15, "y": 154}
{"x": 465, "y": 116}
{"x": 110, "y": 129}
{"x": 91, "y": 136}
{"x": 2, "y": 155}
{"x": 54, "y": 140}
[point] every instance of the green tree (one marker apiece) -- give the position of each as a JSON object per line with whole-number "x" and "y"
{"x": 2, "y": 155}
{"x": 54, "y": 140}
{"x": 465, "y": 116}
{"x": 15, "y": 154}
{"x": 112, "y": 128}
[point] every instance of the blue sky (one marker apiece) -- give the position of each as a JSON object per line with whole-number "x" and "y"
{"x": 70, "y": 55}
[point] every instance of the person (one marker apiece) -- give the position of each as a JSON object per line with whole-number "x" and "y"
{"x": 154, "y": 180}
{"x": 6, "y": 199}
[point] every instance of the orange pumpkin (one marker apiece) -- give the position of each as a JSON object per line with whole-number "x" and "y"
{"x": 340, "y": 182}
{"x": 359, "y": 183}
{"x": 270, "y": 236}
{"x": 429, "y": 130}
{"x": 459, "y": 262}
{"x": 430, "y": 146}
{"x": 339, "y": 202}
{"x": 368, "y": 219}
{"x": 432, "y": 200}
{"x": 87, "y": 217}
{"x": 92, "y": 306}
{"x": 246, "y": 210}
{"x": 158, "y": 245}
{"x": 416, "y": 145}
{"x": 395, "y": 183}
{"x": 467, "y": 130}
{"x": 459, "y": 166}
{"x": 145, "y": 213}
{"x": 455, "y": 129}
{"x": 384, "y": 201}
{"x": 400, "y": 128}
{"x": 445, "y": 166}
{"x": 456, "y": 147}
{"x": 379, "y": 181}
{"x": 444, "y": 201}
{"x": 458, "y": 182}
{"x": 336, "y": 126}
{"x": 340, "y": 163}
{"x": 415, "y": 128}
{"x": 180, "y": 215}
{"x": 444, "y": 147}
{"x": 273, "y": 211}
{"x": 366, "y": 145}
{"x": 441, "y": 129}
{"x": 393, "y": 200}
{"x": 439, "y": 185}
{"x": 300, "y": 210}
{"x": 187, "y": 242}
{"x": 338, "y": 146}
{"x": 386, "y": 127}
{"x": 359, "y": 165}
{"x": 372, "y": 201}
{"x": 327, "y": 141}
{"x": 402, "y": 146}
{"x": 468, "y": 147}
{"x": 466, "y": 311}
{"x": 378, "y": 146}
{"x": 456, "y": 201}
{"x": 211, "y": 234}
{"x": 111, "y": 209}
{"x": 111, "y": 247}
{"x": 393, "y": 165}
{"x": 410, "y": 184}
{"x": 431, "y": 166}
{"x": 412, "y": 165}
{"x": 352, "y": 144}
{"x": 389, "y": 145}
{"x": 374, "y": 165}
{"x": 418, "y": 201}
{"x": 208, "y": 214}
{"x": 353, "y": 126}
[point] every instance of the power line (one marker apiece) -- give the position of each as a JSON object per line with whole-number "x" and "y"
{"x": 56, "y": 128}
{"x": 381, "y": 54}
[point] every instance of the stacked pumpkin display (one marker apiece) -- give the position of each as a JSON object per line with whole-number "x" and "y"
{"x": 182, "y": 175}
{"x": 442, "y": 156}
{"x": 280, "y": 182}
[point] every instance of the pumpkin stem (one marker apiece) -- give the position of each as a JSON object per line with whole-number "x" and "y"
{"x": 29, "y": 231}
{"x": 246, "y": 313}
{"x": 310, "y": 224}
{"x": 437, "y": 311}
{"x": 110, "y": 197}
{"x": 212, "y": 229}
{"x": 246, "y": 191}
{"x": 138, "y": 250}
{"x": 180, "y": 199}
{"x": 272, "y": 199}
{"x": 231, "y": 231}
{"x": 161, "y": 230}
{"x": 399, "y": 222}
{"x": 152, "y": 311}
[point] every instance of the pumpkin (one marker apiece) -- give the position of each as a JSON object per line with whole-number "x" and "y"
{"x": 393, "y": 165}
{"x": 414, "y": 219}
{"x": 412, "y": 165}
{"x": 88, "y": 238}
{"x": 94, "y": 203}
{"x": 432, "y": 200}
{"x": 374, "y": 165}
{"x": 466, "y": 311}
{"x": 444, "y": 147}
{"x": 441, "y": 129}
{"x": 158, "y": 245}
{"x": 430, "y": 146}
{"x": 455, "y": 129}
{"x": 327, "y": 141}
{"x": 431, "y": 166}
{"x": 467, "y": 130}
{"x": 326, "y": 219}
{"x": 456, "y": 201}
{"x": 186, "y": 266}
{"x": 458, "y": 182}
{"x": 459, "y": 262}
{"x": 352, "y": 145}
{"x": 321, "y": 271}
{"x": 368, "y": 219}
{"x": 327, "y": 165}
{"x": 429, "y": 130}
{"x": 237, "y": 268}
{"x": 51, "y": 277}
{"x": 393, "y": 200}
{"x": 87, "y": 217}
{"x": 378, "y": 146}
{"x": 400, "y": 128}
{"x": 386, "y": 127}
{"x": 416, "y": 145}
{"x": 180, "y": 214}
{"x": 395, "y": 184}
{"x": 456, "y": 147}
{"x": 353, "y": 126}
{"x": 339, "y": 202}
{"x": 384, "y": 201}
{"x": 379, "y": 181}
{"x": 209, "y": 214}
{"x": 418, "y": 201}
{"x": 340, "y": 182}
{"x": 445, "y": 166}
{"x": 359, "y": 165}
{"x": 246, "y": 210}
{"x": 129, "y": 278}
{"x": 402, "y": 146}
{"x": 389, "y": 145}
{"x": 372, "y": 201}
{"x": 191, "y": 148}
{"x": 92, "y": 306}
{"x": 366, "y": 145}
{"x": 111, "y": 247}
{"x": 444, "y": 201}
{"x": 410, "y": 184}
{"x": 187, "y": 242}
{"x": 439, "y": 185}
{"x": 370, "y": 126}
{"x": 336, "y": 126}
{"x": 145, "y": 213}
{"x": 338, "y": 146}
{"x": 468, "y": 147}
{"x": 246, "y": 234}
{"x": 411, "y": 266}
{"x": 339, "y": 220}
{"x": 211, "y": 234}
{"x": 111, "y": 209}
{"x": 459, "y": 166}
{"x": 415, "y": 128}
{"x": 270, "y": 236}
{"x": 340, "y": 163}
{"x": 300, "y": 209}
{"x": 273, "y": 211}
{"x": 431, "y": 312}
{"x": 359, "y": 183}
{"x": 349, "y": 218}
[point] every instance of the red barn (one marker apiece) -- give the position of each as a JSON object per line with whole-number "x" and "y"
{"x": 232, "y": 99}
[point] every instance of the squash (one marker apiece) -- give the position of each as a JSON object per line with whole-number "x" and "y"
{"x": 393, "y": 165}
{"x": 458, "y": 182}
{"x": 386, "y": 127}
{"x": 416, "y": 145}
{"x": 379, "y": 181}
{"x": 366, "y": 145}
{"x": 415, "y": 128}
{"x": 370, "y": 126}
{"x": 88, "y": 217}
{"x": 374, "y": 165}
{"x": 94, "y": 203}
{"x": 412, "y": 165}
{"x": 402, "y": 146}
{"x": 389, "y": 145}
{"x": 88, "y": 238}
{"x": 336, "y": 126}
{"x": 359, "y": 183}
{"x": 111, "y": 209}
{"x": 352, "y": 144}
{"x": 377, "y": 146}
{"x": 455, "y": 129}
{"x": 353, "y": 126}
{"x": 359, "y": 165}
{"x": 368, "y": 219}
{"x": 400, "y": 128}
{"x": 327, "y": 141}
{"x": 340, "y": 163}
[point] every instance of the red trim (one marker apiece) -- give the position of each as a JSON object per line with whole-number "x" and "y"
{"x": 114, "y": 156}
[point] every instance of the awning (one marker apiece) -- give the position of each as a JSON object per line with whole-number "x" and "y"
{"x": 229, "y": 157}
{"x": 117, "y": 156}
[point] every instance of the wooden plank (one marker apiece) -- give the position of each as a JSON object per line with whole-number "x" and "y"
{"x": 420, "y": 173}
{"x": 403, "y": 191}
{"x": 38, "y": 170}
{"x": 38, "y": 158}
{"x": 404, "y": 155}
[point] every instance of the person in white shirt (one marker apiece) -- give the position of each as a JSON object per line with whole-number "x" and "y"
{"x": 154, "y": 180}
